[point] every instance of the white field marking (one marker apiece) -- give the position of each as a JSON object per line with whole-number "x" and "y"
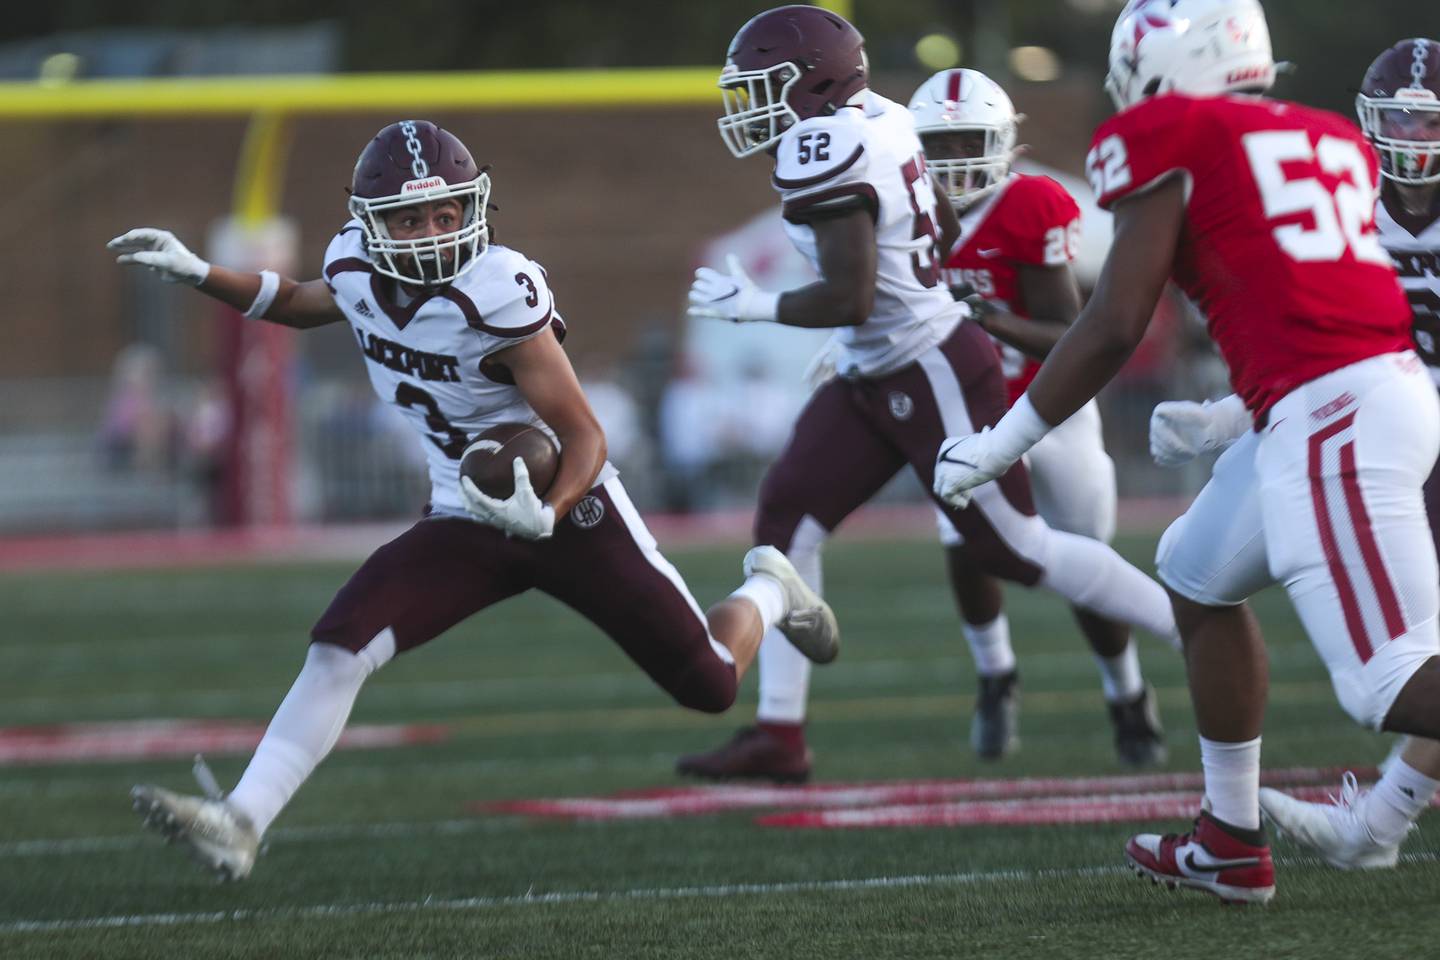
{"x": 330, "y": 911}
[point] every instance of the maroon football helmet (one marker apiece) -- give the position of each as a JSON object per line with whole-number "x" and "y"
{"x": 786, "y": 65}
{"x": 413, "y": 162}
{"x": 1399, "y": 107}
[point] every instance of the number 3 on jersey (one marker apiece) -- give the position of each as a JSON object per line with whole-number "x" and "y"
{"x": 927, "y": 268}
{"x": 451, "y": 441}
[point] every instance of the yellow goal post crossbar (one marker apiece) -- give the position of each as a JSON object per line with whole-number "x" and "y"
{"x": 270, "y": 101}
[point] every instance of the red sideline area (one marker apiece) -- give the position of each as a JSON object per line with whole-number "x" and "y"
{"x": 168, "y": 548}
{"x": 929, "y": 803}
{"x": 143, "y": 739}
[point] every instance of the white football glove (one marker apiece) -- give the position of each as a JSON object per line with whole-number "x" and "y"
{"x": 162, "y": 252}
{"x": 1181, "y": 430}
{"x": 523, "y": 515}
{"x": 733, "y": 296}
{"x": 964, "y": 463}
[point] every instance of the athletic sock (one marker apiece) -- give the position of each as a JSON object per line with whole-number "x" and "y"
{"x": 767, "y": 595}
{"x": 990, "y": 646}
{"x": 1120, "y": 675}
{"x": 1397, "y": 801}
{"x": 1232, "y": 781}
{"x": 302, "y": 732}
{"x": 791, "y": 734}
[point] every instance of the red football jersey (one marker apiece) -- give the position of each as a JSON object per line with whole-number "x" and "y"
{"x": 1279, "y": 249}
{"x": 1030, "y": 220}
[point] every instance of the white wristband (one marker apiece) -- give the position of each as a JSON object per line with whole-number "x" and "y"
{"x": 1229, "y": 418}
{"x": 1019, "y": 430}
{"x": 269, "y": 286}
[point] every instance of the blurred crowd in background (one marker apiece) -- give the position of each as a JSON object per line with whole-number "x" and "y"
{"x": 112, "y": 407}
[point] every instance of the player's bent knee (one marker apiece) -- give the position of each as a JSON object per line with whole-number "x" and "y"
{"x": 1372, "y": 694}
{"x": 709, "y": 685}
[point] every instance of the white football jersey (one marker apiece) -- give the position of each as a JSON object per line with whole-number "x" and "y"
{"x": 869, "y": 153}
{"x": 1417, "y": 261}
{"x": 431, "y": 356}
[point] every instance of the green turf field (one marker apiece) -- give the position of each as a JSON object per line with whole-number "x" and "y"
{"x": 382, "y": 855}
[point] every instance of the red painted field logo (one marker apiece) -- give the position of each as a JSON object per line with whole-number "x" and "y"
{"x": 142, "y": 739}
{"x": 925, "y": 803}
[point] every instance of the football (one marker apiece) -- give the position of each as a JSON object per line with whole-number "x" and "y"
{"x": 488, "y": 461}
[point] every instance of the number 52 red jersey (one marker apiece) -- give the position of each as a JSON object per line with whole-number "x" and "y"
{"x": 1279, "y": 248}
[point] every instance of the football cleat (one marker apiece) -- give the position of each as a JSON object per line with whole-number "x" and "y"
{"x": 995, "y": 727}
{"x": 221, "y": 839}
{"x": 1207, "y": 858}
{"x": 808, "y": 623}
{"x": 1335, "y": 830}
{"x": 754, "y": 753}
{"x": 1139, "y": 738}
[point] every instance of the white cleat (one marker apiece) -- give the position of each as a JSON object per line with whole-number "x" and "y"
{"x": 809, "y": 623}
{"x": 221, "y": 839}
{"x": 1335, "y": 830}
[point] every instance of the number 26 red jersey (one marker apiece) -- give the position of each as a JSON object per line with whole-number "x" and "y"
{"x": 1279, "y": 248}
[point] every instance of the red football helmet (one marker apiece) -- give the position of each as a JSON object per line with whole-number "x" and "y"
{"x": 784, "y": 66}
{"x": 412, "y": 162}
{"x": 1399, "y": 107}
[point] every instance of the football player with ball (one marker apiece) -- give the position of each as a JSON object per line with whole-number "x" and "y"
{"x": 463, "y": 336}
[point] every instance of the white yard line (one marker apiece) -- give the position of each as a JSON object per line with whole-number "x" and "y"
{"x": 328, "y": 911}
{"x": 462, "y": 904}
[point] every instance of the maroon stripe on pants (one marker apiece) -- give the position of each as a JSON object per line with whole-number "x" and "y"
{"x": 1365, "y": 536}
{"x": 1354, "y": 622}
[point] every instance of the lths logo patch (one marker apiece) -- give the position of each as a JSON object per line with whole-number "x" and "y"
{"x": 901, "y": 406}
{"x": 588, "y": 512}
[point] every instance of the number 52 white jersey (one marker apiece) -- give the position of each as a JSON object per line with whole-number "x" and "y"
{"x": 868, "y": 155}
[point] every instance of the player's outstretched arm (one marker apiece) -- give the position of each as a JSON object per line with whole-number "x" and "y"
{"x": 546, "y": 380}
{"x": 1092, "y": 351}
{"x": 1147, "y": 229}
{"x": 264, "y": 295}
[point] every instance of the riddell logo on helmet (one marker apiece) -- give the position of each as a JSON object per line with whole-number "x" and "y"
{"x": 1249, "y": 73}
{"x": 429, "y": 183}
{"x": 1412, "y": 93}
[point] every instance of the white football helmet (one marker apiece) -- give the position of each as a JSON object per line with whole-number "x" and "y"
{"x": 966, "y": 101}
{"x": 1199, "y": 47}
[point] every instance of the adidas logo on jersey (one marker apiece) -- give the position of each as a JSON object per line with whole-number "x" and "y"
{"x": 363, "y": 308}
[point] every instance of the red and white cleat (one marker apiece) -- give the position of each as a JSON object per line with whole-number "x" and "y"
{"x": 1207, "y": 858}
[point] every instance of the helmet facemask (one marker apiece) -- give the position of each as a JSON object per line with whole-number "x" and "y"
{"x": 1405, "y": 129}
{"x": 431, "y": 261}
{"x": 967, "y": 176}
{"x": 757, "y": 107}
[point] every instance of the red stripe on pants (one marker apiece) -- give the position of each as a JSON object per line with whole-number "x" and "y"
{"x": 1365, "y": 536}
{"x": 1354, "y": 622}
